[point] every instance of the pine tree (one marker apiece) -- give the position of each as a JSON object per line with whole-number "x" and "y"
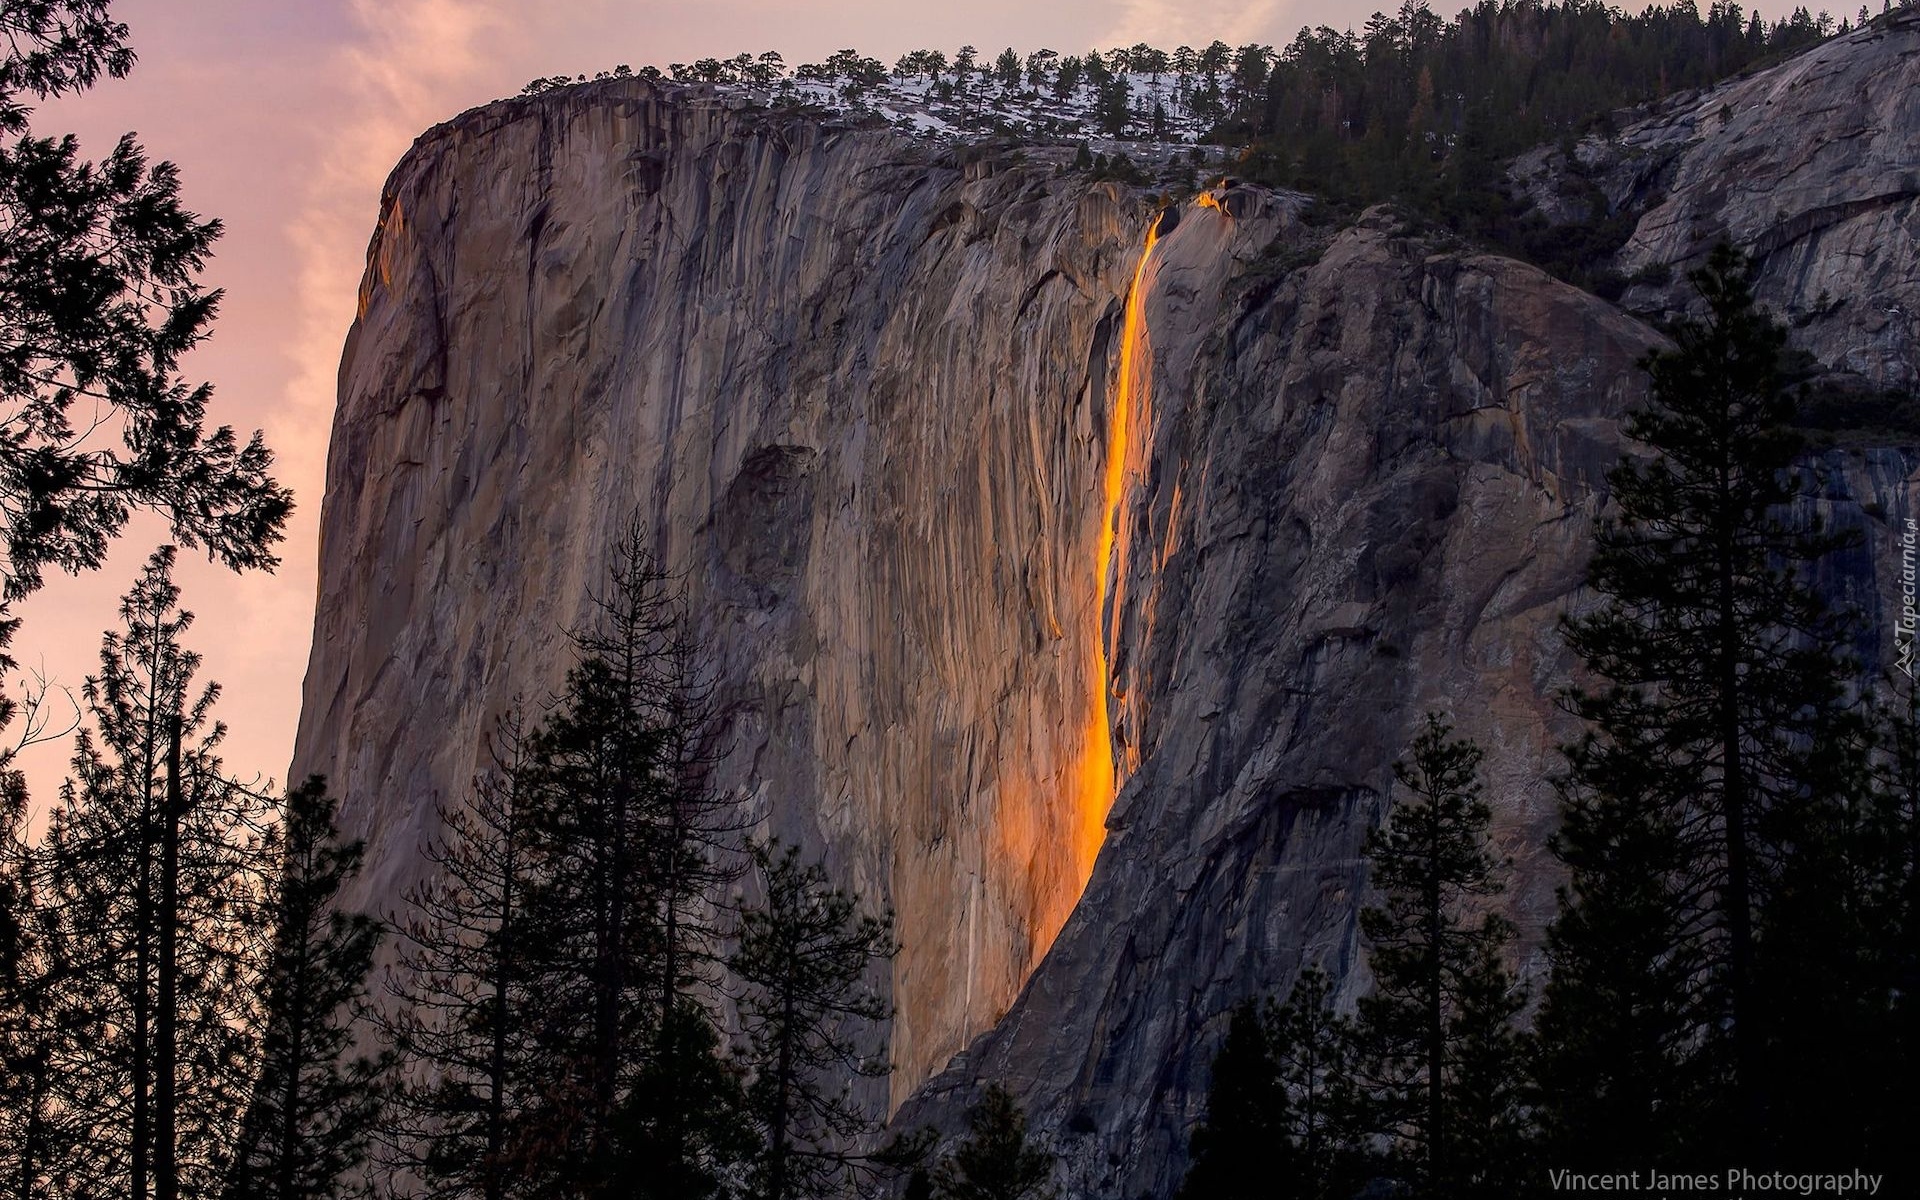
{"x": 99, "y": 300}
{"x": 1821, "y": 980}
{"x": 1248, "y": 1117}
{"x": 149, "y": 881}
{"x": 461, "y": 1010}
{"x": 1892, "y": 915}
{"x": 598, "y": 952}
{"x": 1283, "y": 1116}
{"x": 16, "y": 924}
{"x": 806, "y": 960}
{"x": 996, "y": 1162}
{"x": 1722, "y": 754}
{"x": 1313, "y": 1051}
{"x": 1618, "y": 1079}
{"x": 631, "y": 844}
{"x": 1837, "y": 962}
{"x": 1006, "y": 69}
{"x": 314, "y": 1107}
{"x": 1435, "y": 1029}
{"x": 1113, "y": 105}
{"x": 30, "y": 964}
{"x": 682, "y": 1125}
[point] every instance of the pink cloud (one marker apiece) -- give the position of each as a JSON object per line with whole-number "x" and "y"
{"x": 285, "y": 119}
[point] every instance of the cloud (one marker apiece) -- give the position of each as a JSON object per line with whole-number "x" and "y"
{"x": 389, "y": 83}
{"x": 285, "y": 124}
{"x": 1170, "y": 23}
{"x": 286, "y": 118}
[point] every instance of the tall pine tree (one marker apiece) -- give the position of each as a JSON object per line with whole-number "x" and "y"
{"x": 148, "y": 868}
{"x": 461, "y": 1005}
{"x": 1435, "y": 1041}
{"x": 1248, "y": 1116}
{"x": 806, "y": 960}
{"x": 30, "y": 965}
{"x": 1886, "y": 1096}
{"x": 314, "y": 1106}
{"x": 631, "y": 843}
{"x": 997, "y": 1161}
{"x": 1326, "y": 1155}
{"x": 1722, "y": 757}
{"x": 1283, "y": 1116}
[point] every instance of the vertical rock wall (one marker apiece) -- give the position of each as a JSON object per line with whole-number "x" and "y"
{"x": 858, "y": 392}
{"x": 864, "y": 395}
{"x": 1367, "y": 493}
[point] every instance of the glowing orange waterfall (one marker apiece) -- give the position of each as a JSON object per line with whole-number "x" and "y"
{"x": 1097, "y": 782}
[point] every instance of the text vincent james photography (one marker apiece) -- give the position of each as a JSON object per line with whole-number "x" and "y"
{"x": 1737, "y": 1180}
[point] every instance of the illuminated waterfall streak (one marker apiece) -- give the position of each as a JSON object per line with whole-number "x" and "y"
{"x": 1097, "y": 779}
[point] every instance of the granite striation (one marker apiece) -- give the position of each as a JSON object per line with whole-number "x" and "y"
{"x": 862, "y": 392}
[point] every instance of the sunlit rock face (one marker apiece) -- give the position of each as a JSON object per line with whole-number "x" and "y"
{"x": 1366, "y": 493}
{"x": 858, "y": 393}
{"x": 954, "y": 456}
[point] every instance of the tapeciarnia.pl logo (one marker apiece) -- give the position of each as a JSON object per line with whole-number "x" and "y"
{"x": 1903, "y": 630}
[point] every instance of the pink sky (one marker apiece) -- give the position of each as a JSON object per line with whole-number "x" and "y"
{"x": 285, "y": 118}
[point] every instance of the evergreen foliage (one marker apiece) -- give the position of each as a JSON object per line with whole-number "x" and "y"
{"x": 1302, "y": 1099}
{"x": 556, "y": 984}
{"x": 142, "y": 1033}
{"x": 598, "y": 955}
{"x": 1888, "y": 1034}
{"x": 806, "y": 960}
{"x": 1706, "y": 808}
{"x": 124, "y": 939}
{"x": 315, "y": 1106}
{"x": 1411, "y": 108}
{"x": 681, "y": 1130}
{"x": 1734, "y": 965}
{"x": 631, "y": 844}
{"x": 31, "y": 964}
{"x": 1325, "y": 1153}
{"x": 99, "y": 299}
{"x": 1283, "y": 1113}
{"x": 1385, "y": 107}
{"x": 1426, "y": 112}
{"x": 1247, "y": 1116}
{"x": 460, "y": 998}
{"x": 996, "y": 1162}
{"x": 1435, "y": 1041}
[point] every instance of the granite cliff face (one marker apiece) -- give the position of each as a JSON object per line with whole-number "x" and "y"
{"x": 1811, "y": 166}
{"x": 879, "y": 401}
{"x": 859, "y": 397}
